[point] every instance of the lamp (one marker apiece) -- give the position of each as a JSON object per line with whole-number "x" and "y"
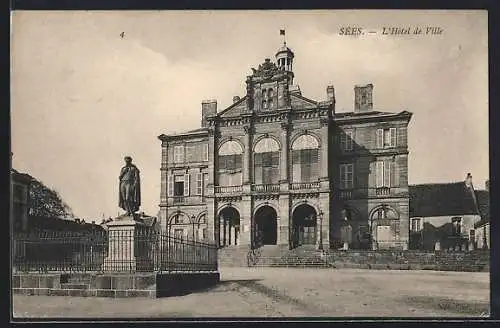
{"x": 320, "y": 247}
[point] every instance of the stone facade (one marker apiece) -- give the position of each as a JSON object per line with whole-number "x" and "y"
{"x": 277, "y": 168}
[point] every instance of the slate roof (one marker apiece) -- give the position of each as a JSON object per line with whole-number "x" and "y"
{"x": 441, "y": 199}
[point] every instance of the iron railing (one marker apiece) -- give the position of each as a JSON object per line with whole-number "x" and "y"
{"x": 267, "y": 187}
{"x": 139, "y": 250}
{"x": 228, "y": 189}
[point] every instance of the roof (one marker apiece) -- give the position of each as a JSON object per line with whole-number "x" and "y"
{"x": 366, "y": 114}
{"x": 441, "y": 199}
{"x": 193, "y": 132}
{"x": 20, "y": 177}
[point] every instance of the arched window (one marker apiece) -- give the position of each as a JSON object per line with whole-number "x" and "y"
{"x": 230, "y": 164}
{"x": 266, "y": 161}
{"x": 305, "y": 166}
{"x": 264, "y": 104}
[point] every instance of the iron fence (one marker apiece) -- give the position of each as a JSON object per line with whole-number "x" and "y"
{"x": 139, "y": 250}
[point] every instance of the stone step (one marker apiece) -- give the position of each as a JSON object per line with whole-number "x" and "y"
{"x": 72, "y": 285}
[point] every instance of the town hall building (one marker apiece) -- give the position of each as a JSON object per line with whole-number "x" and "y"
{"x": 278, "y": 168}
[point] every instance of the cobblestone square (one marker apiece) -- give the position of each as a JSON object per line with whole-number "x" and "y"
{"x": 283, "y": 292}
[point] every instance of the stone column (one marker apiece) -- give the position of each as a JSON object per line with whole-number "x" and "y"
{"x": 284, "y": 220}
{"x": 284, "y": 154}
{"x": 323, "y": 151}
{"x": 245, "y": 220}
{"x": 247, "y": 156}
{"x": 212, "y": 220}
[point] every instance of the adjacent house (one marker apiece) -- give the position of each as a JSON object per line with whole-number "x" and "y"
{"x": 482, "y": 228}
{"x": 19, "y": 200}
{"x": 443, "y": 216}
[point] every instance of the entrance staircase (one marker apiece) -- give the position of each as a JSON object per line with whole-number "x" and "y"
{"x": 271, "y": 256}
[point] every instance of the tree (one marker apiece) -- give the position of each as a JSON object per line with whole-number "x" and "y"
{"x": 47, "y": 202}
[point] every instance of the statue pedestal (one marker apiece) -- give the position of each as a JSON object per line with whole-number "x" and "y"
{"x": 122, "y": 241}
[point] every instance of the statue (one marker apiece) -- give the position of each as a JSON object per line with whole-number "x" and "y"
{"x": 130, "y": 187}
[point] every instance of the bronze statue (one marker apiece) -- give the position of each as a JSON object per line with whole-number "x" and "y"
{"x": 130, "y": 187}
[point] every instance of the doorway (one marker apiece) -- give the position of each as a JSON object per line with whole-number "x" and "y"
{"x": 266, "y": 226}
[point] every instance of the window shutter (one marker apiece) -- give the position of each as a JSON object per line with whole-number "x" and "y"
{"x": 380, "y": 174}
{"x": 342, "y": 175}
{"x": 372, "y": 175}
{"x": 276, "y": 158}
{"x": 387, "y": 173}
{"x": 199, "y": 183}
{"x": 350, "y": 175}
{"x": 395, "y": 174}
{"x": 170, "y": 185}
{"x": 186, "y": 184}
{"x": 380, "y": 138}
{"x": 393, "y": 137}
{"x": 205, "y": 182}
{"x": 205, "y": 152}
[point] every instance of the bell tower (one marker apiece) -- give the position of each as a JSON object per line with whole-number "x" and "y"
{"x": 284, "y": 60}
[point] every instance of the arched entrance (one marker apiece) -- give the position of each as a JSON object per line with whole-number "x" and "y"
{"x": 303, "y": 226}
{"x": 229, "y": 226}
{"x": 266, "y": 226}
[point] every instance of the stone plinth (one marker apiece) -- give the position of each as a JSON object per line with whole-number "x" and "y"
{"x": 122, "y": 241}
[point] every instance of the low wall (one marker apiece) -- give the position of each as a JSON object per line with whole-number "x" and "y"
{"x": 471, "y": 261}
{"x": 112, "y": 285}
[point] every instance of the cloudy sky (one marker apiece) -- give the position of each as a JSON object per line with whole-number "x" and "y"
{"x": 83, "y": 97}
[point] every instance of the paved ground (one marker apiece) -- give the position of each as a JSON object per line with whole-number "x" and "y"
{"x": 271, "y": 292}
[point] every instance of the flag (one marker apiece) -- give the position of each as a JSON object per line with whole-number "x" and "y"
{"x": 282, "y": 32}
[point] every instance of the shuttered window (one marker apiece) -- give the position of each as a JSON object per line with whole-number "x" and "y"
{"x": 346, "y": 176}
{"x": 267, "y": 168}
{"x": 230, "y": 162}
{"x": 178, "y": 154}
{"x": 386, "y": 138}
{"x": 385, "y": 173}
{"x": 199, "y": 184}
{"x": 305, "y": 165}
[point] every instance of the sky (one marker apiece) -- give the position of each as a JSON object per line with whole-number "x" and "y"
{"x": 83, "y": 97}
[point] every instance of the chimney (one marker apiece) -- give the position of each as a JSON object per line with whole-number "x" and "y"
{"x": 208, "y": 108}
{"x": 468, "y": 180}
{"x": 487, "y": 185}
{"x": 236, "y": 99}
{"x": 363, "y": 100}
{"x": 330, "y": 93}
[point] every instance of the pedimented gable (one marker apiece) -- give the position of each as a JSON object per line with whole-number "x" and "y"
{"x": 235, "y": 109}
{"x": 299, "y": 102}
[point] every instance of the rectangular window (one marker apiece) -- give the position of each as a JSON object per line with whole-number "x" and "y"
{"x": 199, "y": 184}
{"x": 384, "y": 172}
{"x": 191, "y": 153}
{"x": 346, "y": 176}
{"x": 347, "y": 140}
{"x": 178, "y": 154}
{"x": 179, "y": 185}
{"x": 415, "y": 225}
{"x": 386, "y": 138}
